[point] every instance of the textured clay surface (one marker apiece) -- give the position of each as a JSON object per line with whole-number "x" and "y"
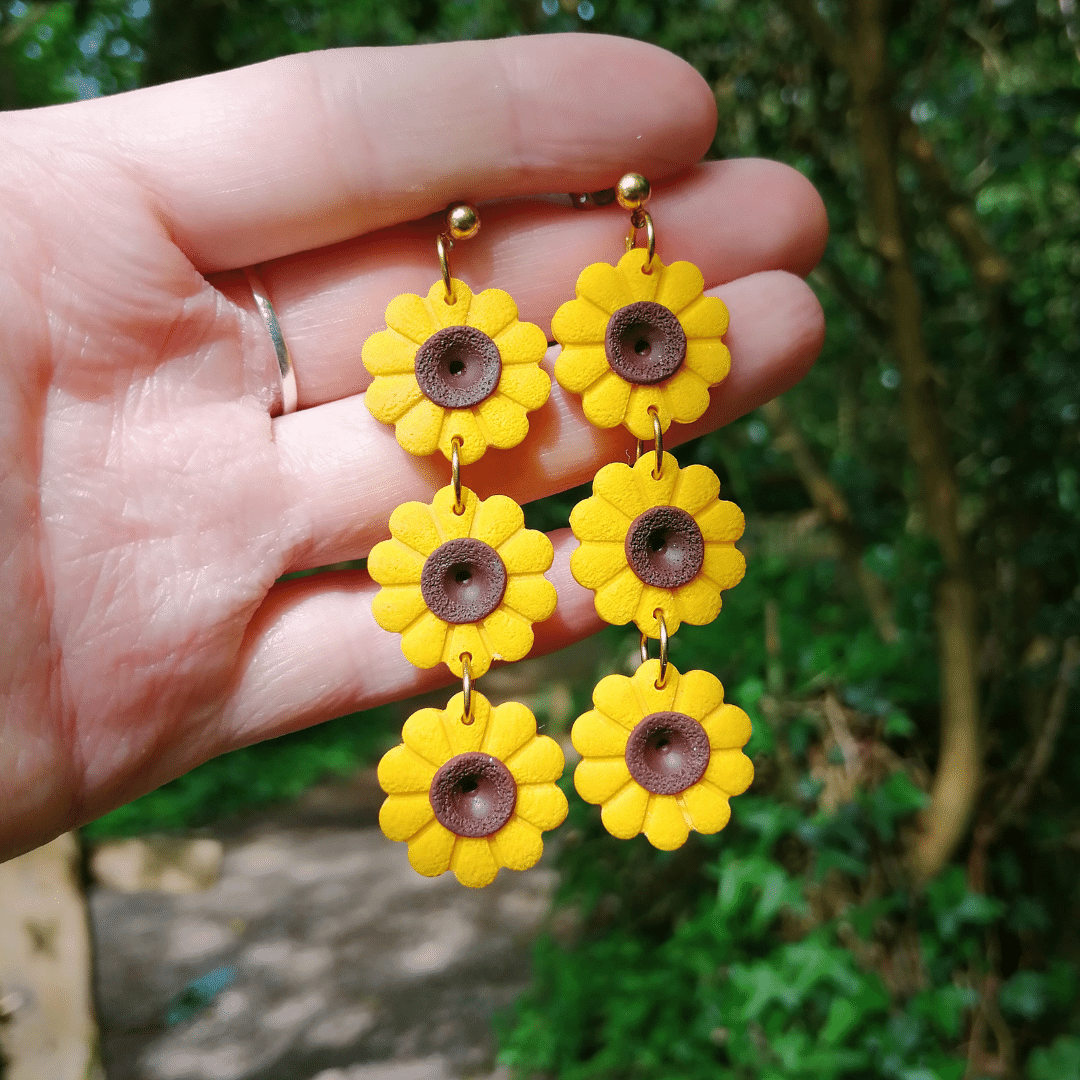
{"x": 463, "y": 580}
{"x": 474, "y": 794}
{"x": 664, "y": 547}
{"x": 458, "y": 367}
{"x": 645, "y": 343}
{"x": 667, "y": 752}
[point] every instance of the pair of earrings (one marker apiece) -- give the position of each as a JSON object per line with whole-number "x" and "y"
{"x": 472, "y": 787}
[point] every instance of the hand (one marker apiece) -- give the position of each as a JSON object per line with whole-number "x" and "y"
{"x": 149, "y": 505}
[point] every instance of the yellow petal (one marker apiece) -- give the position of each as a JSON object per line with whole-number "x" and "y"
{"x": 402, "y": 816}
{"x": 522, "y": 343}
{"x": 578, "y": 322}
{"x": 492, "y": 311}
{"x": 708, "y": 359}
{"x": 596, "y": 735}
{"x": 698, "y": 694}
{"x": 508, "y": 635}
{"x": 389, "y": 353}
{"x": 544, "y": 805}
{"x": 595, "y": 519}
{"x": 724, "y": 565}
{"x": 698, "y": 602}
{"x": 639, "y": 285}
{"x": 473, "y": 863}
{"x": 431, "y": 850}
{"x": 665, "y": 827}
{"x": 425, "y": 734}
{"x": 444, "y": 314}
{"x": 686, "y": 396}
{"x": 398, "y": 606}
{"x": 604, "y": 286}
{"x": 518, "y": 845}
{"x": 577, "y": 367}
{"x": 657, "y": 492}
{"x": 619, "y": 485}
{"x": 412, "y": 523}
{"x": 652, "y": 600}
{"x": 497, "y": 519}
{"x": 638, "y": 419}
{"x": 538, "y": 762}
{"x": 730, "y": 770}
{"x": 526, "y": 384}
{"x": 502, "y": 422}
{"x": 650, "y": 698}
{"x": 403, "y": 771}
{"x": 510, "y": 726}
{"x": 389, "y": 397}
{"x": 527, "y": 552}
{"x": 706, "y": 317}
{"x": 698, "y": 486}
{"x": 466, "y": 738}
{"x": 392, "y": 563}
{"x": 467, "y": 638}
{"x": 624, "y": 813}
{"x": 721, "y": 522}
{"x": 597, "y": 780}
{"x": 418, "y": 430}
{"x": 592, "y": 564}
{"x": 680, "y": 284}
{"x": 728, "y": 728}
{"x": 604, "y": 403}
{"x": 408, "y": 315}
{"x": 461, "y": 423}
{"x": 453, "y": 526}
{"x": 424, "y": 641}
{"x": 707, "y": 808}
{"x": 531, "y": 595}
{"x": 617, "y": 601}
{"x": 616, "y": 697}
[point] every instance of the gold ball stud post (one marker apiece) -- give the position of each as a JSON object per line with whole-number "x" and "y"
{"x": 632, "y": 191}
{"x": 462, "y": 221}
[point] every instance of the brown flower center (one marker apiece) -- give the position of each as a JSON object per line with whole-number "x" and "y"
{"x": 473, "y": 795}
{"x": 645, "y": 343}
{"x": 664, "y": 547}
{"x": 457, "y": 367}
{"x": 463, "y": 581}
{"x": 667, "y": 752}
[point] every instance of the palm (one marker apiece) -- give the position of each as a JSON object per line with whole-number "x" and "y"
{"x": 149, "y": 503}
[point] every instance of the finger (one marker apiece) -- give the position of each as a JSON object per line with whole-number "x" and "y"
{"x": 310, "y": 149}
{"x": 730, "y": 218}
{"x": 314, "y": 651}
{"x": 346, "y": 473}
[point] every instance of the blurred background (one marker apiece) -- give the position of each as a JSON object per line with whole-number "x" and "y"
{"x": 897, "y": 893}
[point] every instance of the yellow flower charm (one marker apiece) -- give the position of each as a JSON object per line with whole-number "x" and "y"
{"x": 652, "y": 545}
{"x": 472, "y": 798}
{"x": 634, "y": 341}
{"x": 467, "y": 371}
{"x": 662, "y": 762}
{"x": 470, "y": 583}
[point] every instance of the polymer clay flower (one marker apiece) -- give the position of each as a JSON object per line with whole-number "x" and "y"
{"x": 467, "y": 370}
{"x": 652, "y": 545}
{"x": 472, "y": 798}
{"x": 462, "y": 583}
{"x": 662, "y": 761}
{"x": 634, "y": 341}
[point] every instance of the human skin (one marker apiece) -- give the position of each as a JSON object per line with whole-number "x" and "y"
{"x": 149, "y": 504}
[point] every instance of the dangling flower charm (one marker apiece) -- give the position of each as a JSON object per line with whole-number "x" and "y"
{"x": 467, "y": 370}
{"x": 662, "y": 760}
{"x": 634, "y": 340}
{"x": 472, "y": 797}
{"x": 470, "y": 583}
{"x": 657, "y": 544}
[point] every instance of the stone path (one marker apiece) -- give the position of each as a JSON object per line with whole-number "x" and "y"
{"x": 317, "y": 955}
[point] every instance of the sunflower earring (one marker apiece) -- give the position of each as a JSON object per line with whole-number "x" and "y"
{"x": 471, "y": 788}
{"x": 661, "y": 751}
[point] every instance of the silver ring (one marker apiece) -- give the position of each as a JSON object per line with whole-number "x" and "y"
{"x": 284, "y": 360}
